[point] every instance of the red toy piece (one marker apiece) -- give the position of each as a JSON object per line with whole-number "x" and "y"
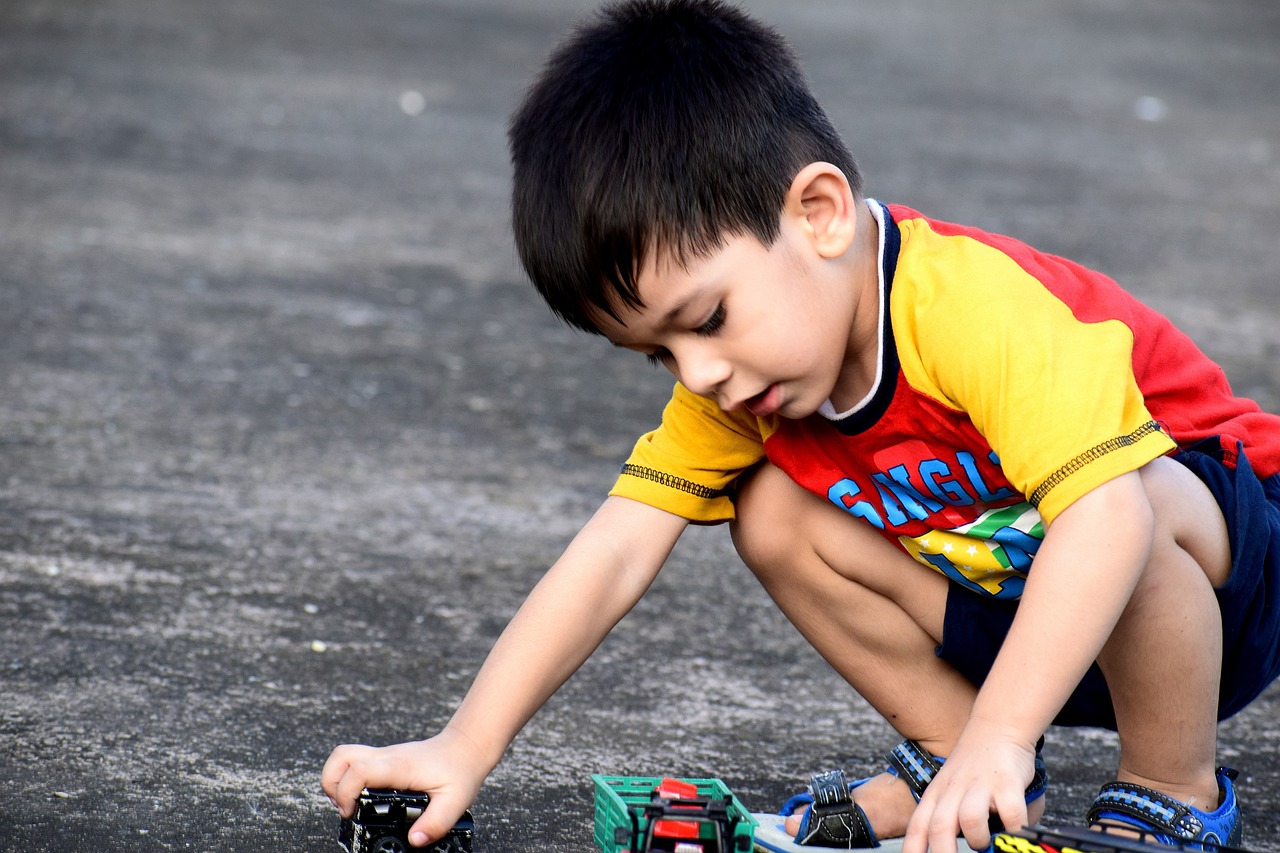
{"x": 676, "y": 789}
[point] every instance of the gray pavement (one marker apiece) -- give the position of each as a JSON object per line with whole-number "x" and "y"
{"x": 285, "y": 438}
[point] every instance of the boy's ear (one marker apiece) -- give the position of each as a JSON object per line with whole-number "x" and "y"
{"x": 823, "y": 202}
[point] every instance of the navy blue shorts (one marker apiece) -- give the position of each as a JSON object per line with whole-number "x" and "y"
{"x": 975, "y": 627}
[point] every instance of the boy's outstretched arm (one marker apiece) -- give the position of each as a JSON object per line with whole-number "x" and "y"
{"x": 1083, "y": 577}
{"x": 599, "y": 578}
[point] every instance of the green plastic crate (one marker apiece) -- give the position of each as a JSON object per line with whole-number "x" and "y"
{"x": 621, "y": 822}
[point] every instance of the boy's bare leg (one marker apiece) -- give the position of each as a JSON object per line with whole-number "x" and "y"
{"x": 876, "y": 616}
{"x": 871, "y": 611}
{"x": 1163, "y": 661}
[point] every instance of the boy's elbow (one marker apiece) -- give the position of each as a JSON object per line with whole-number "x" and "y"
{"x": 1122, "y": 505}
{"x": 632, "y": 538}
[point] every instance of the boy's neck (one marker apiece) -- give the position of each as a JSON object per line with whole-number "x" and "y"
{"x": 862, "y": 357}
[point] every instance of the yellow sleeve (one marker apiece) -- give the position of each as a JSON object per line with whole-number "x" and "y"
{"x": 1055, "y": 397}
{"x": 687, "y": 465}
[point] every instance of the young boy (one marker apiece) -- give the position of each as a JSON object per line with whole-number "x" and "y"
{"x": 898, "y": 417}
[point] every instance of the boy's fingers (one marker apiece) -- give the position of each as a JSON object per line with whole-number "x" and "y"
{"x": 1011, "y": 815}
{"x": 951, "y": 817}
{"x": 335, "y": 770}
{"x": 349, "y": 770}
{"x": 974, "y": 816}
{"x": 976, "y": 829}
{"x": 916, "y": 839}
{"x": 440, "y": 816}
{"x": 352, "y": 768}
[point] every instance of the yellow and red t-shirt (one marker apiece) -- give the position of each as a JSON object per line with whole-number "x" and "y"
{"x": 1011, "y": 382}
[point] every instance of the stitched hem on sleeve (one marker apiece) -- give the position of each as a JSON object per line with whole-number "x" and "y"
{"x": 1092, "y": 455}
{"x": 671, "y": 481}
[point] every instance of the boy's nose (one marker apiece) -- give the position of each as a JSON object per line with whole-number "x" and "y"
{"x": 702, "y": 371}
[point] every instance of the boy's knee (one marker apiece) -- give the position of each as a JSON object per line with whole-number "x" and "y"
{"x": 1187, "y": 518}
{"x": 764, "y": 528}
{"x": 778, "y": 523}
{"x": 801, "y": 547}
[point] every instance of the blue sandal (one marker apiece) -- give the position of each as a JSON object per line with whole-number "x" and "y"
{"x": 834, "y": 820}
{"x": 1168, "y": 821}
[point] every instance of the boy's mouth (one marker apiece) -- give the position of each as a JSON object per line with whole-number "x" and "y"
{"x": 765, "y": 403}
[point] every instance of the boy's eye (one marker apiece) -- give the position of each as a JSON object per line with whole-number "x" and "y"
{"x": 713, "y": 323}
{"x": 659, "y": 357}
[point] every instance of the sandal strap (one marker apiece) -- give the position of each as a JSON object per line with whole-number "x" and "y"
{"x": 914, "y": 765}
{"x": 834, "y": 819}
{"x": 1155, "y": 810}
{"x": 1151, "y": 809}
{"x": 1040, "y": 778}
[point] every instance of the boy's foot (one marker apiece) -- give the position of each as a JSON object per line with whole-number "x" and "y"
{"x": 888, "y": 804}
{"x": 885, "y": 799}
{"x": 863, "y": 813}
{"x": 1124, "y": 805}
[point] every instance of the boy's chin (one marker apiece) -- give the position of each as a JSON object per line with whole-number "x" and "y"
{"x": 794, "y": 410}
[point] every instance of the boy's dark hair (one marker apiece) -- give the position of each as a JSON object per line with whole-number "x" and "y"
{"x": 657, "y": 126}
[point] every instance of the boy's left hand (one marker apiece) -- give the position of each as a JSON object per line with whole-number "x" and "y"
{"x": 985, "y": 776}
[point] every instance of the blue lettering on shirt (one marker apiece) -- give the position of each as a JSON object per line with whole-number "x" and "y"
{"x": 901, "y": 500}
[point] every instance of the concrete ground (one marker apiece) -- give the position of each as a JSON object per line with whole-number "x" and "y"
{"x": 285, "y": 438}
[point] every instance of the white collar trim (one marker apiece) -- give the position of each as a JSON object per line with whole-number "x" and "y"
{"x": 827, "y": 410}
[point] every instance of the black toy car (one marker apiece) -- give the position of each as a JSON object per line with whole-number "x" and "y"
{"x": 381, "y": 824}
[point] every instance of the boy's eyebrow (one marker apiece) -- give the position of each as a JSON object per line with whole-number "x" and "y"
{"x": 680, "y": 306}
{"x": 670, "y": 318}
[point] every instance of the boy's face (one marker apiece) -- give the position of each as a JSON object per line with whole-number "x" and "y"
{"x": 766, "y": 329}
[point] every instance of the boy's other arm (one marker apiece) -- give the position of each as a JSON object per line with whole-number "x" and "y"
{"x": 1083, "y": 577}
{"x": 601, "y": 575}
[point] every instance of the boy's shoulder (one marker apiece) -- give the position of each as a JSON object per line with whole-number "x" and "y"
{"x": 944, "y": 262}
